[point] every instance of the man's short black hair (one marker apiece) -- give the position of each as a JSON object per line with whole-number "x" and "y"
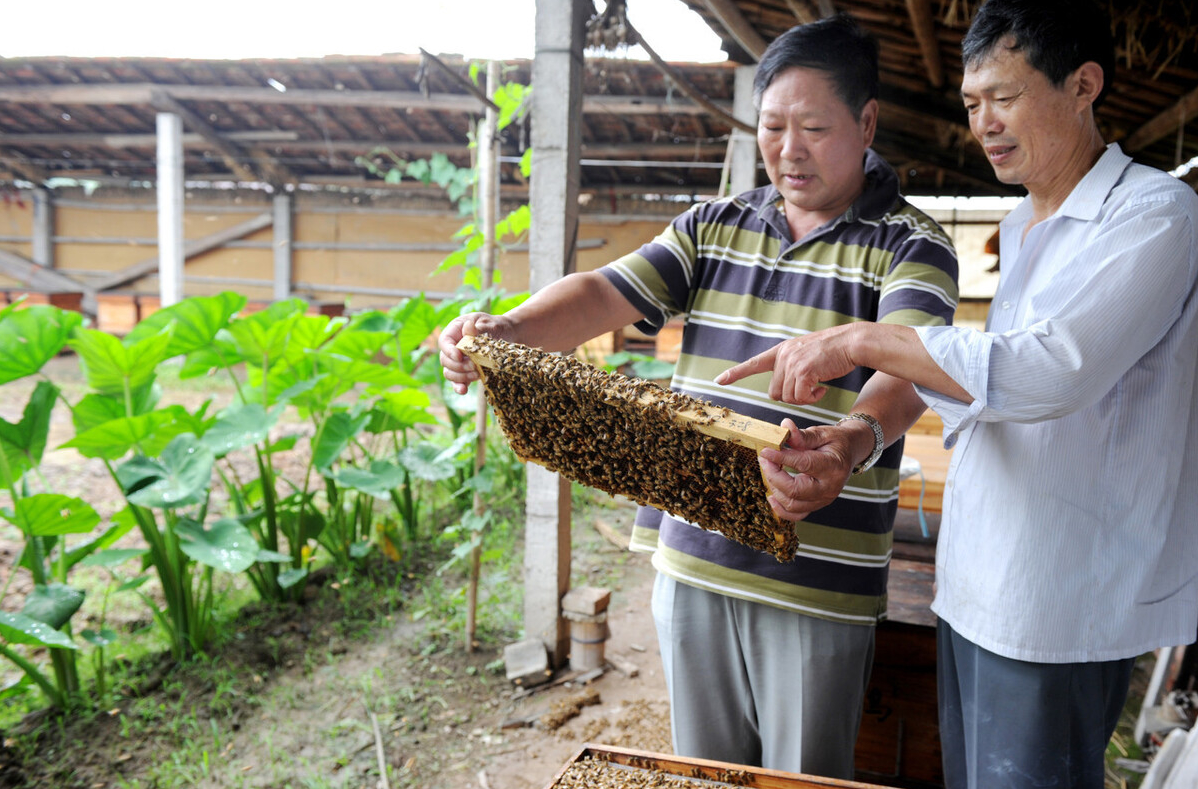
{"x": 1056, "y": 37}
{"x": 836, "y": 45}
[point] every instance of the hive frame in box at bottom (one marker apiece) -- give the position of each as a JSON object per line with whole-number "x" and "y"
{"x": 703, "y": 773}
{"x": 636, "y": 439}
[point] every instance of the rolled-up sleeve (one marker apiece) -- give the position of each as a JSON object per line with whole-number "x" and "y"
{"x": 964, "y": 354}
{"x": 1107, "y": 304}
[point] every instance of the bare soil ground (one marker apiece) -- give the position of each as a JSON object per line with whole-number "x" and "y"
{"x": 287, "y": 701}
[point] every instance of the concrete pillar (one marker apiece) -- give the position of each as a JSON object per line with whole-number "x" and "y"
{"x": 43, "y": 228}
{"x": 281, "y": 245}
{"x": 170, "y": 208}
{"x": 556, "y": 145}
{"x": 743, "y": 175}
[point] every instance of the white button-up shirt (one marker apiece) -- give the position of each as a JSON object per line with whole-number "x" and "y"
{"x": 1070, "y": 523}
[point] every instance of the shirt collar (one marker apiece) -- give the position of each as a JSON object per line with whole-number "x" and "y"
{"x": 1088, "y": 196}
{"x": 878, "y": 197}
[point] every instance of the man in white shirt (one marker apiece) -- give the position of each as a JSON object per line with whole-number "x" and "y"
{"x": 1069, "y": 538}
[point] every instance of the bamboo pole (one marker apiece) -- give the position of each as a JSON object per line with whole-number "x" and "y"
{"x": 488, "y": 191}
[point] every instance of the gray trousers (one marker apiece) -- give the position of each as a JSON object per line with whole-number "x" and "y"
{"x": 756, "y": 685}
{"x": 1010, "y": 724}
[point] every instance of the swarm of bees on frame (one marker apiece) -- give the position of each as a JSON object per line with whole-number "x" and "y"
{"x": 620, "y": 435}
{"x": 600, "y": 773}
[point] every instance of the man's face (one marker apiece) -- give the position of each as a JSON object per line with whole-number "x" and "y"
{"x": 812, "y": 145}
{"x": 1026, "y": 126}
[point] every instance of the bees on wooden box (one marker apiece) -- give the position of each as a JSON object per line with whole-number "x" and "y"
{"x": 633, "y": 438}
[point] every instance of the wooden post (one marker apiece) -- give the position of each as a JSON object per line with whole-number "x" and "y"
{"x": 556, "y": 147}
{"x": 282, "y": 246}
{"x": 43, "y": 228}
{"x": 744, "y": 145}
{"x": 170, "y": 208}
{"x": 488, "y": 205}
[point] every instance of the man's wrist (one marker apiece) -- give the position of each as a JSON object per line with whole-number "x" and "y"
{"x": 872, "y": 440}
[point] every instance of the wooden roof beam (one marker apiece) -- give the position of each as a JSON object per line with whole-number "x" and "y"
{"x": 686, "y": 86}
{"x": 1164, "y": 124}
{"x": 397, "y": 100}
{"x": 24, "y": 270}
{"x": 803, "y": 11}
{"x": 924, "y": 24}
{"x": 22, "y": 166}
{"x": 738, "y": 27}
{"x": 107, "y": 140}
{"x": 231, "y": 153}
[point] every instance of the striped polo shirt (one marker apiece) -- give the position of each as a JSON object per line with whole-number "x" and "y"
{"x": 732, "y": 270}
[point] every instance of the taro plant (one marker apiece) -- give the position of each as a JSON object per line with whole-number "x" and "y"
{"x": 28, "y": 339}
{"x": 162, "y": 458}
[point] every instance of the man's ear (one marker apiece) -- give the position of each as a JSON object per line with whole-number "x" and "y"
{"x": 1090, "y": 80}
{"x": 869, "y": 121}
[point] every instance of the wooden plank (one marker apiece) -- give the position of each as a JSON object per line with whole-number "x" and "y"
{"x": 38, "y": 277}
{"x": 923, "y": 21}
{"x": 703, "y": 771}
{"x": 1163, "y": 124}
{"x": 191, "y": 249}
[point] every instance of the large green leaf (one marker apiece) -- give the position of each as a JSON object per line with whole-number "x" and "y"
{"x": 261, "y": 345}
{"x": 360, "y": 344}
{"x": 309, "y": 332}
{"x": 113, "y": 557}
{"x": 122, "y": 523}
{"x": 53, "y": 604}
{"x": 197, "y": 320}
{"x": 261, "y": 339}
{"x": 51, "y": 514}
{"x": 96, "y": 409}
{"x": 150, "y": 432}
{"x": 417, "y": 321}
{"x": 220, "y": 354}
{"x": 289, "y": 578}
{"x": 379, "y": 480}
{"x": 462, "y": 404}
{"x": 335, "y": 435}
{"x": 178, "y": 477}
{"x": 239, "y": 426}
{"x": 103, "y": 638}
{"x": 31, "y": 337}
{"x": 402, "y": 410}
{"x": 112, "y": 367}
{"x": 427, "y": 461}
{"x": 370, "y": 321}
{"x": 24, "y": 442}
{"x": 21, "y": 629}
{"x": 225, "y": 545}
{"x": 354, "y": 371}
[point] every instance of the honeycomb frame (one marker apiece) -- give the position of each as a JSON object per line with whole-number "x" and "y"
{"x": 634, "y": 438}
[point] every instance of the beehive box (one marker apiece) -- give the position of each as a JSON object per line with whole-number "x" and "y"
{"x": 611, "y": 767}
{"x": 634, "y": 438}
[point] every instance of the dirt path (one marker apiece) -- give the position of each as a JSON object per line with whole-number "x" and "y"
{"x": 632, "y": 711}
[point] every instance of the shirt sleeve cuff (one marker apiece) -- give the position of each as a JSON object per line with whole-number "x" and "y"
{"x": 964, "y": 354}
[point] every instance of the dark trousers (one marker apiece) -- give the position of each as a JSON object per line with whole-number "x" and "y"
{"x": 1013, "y": 724}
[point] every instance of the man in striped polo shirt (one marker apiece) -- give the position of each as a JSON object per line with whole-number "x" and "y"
{"x": 766, "y": 662}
